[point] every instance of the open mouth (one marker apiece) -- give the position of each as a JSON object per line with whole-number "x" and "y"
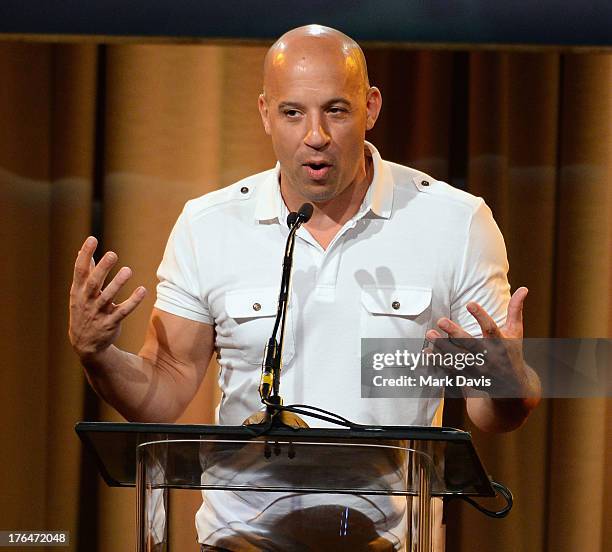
{"x": 317, "y": 171}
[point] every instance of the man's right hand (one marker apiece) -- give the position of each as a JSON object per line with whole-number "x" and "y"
{"x": 95, "y": 320}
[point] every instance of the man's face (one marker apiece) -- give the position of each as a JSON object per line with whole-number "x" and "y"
{"x": 316, "y": 108}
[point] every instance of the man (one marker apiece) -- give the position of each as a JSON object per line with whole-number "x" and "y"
{"x": 388, "y": 252}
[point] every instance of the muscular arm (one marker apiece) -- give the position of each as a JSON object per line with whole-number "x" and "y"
{"x": 157, "y": 384}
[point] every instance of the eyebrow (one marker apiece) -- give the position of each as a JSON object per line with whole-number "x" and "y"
{"x": 337, "y": 101}
{"x": 283, "y": 105}
{"x": 286, "y": 104}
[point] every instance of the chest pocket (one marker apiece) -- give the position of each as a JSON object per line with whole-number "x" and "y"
{"x": 252, "y": 313}
{"x": 395, "y": 311}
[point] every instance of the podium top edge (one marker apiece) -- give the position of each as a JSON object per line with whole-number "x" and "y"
{"x": 419, "y": 433}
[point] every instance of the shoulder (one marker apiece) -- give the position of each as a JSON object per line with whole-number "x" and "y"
{"x": 238, "y": 196}
{"x": 414, "y": 182}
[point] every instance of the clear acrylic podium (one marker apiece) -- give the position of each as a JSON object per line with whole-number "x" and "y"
{"x": 306, "y": 489}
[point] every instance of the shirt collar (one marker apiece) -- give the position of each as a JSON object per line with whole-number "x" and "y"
{"x": 270, "y": 204}
{"x": 378, "y": 198}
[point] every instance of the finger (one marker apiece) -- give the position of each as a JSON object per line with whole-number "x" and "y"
{"x": 447, "y": 346}
{"x": 99, "y": 273}
{"x": 82, "y": 265}
{"x": 487, "y": 325}
{"x": 514, "y": 320}
{"x": 125, "y": 308}
{"x": 455, "y": 357}
{"x": 456, "y": 345}
{"x": 111, "y": 290}
{"x": 451, "y": 328}
{"x": 461, "y": 339}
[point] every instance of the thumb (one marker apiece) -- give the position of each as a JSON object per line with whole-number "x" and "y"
{"x": 514, "y": 318}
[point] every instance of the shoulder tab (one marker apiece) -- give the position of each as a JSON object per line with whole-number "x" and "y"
{"x": 423, "y": 182}
{"x": 243, "y": 190}
{"x": 443, "y": 190}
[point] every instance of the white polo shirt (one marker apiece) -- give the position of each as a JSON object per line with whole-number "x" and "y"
{"x": 416, "y": 242}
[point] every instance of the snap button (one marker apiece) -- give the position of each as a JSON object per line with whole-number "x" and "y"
{"x": 396, "y": 305}
{"x": 256, "y": 306}
{"x": 244, "y": 190}
{"x": 424, "y": 183}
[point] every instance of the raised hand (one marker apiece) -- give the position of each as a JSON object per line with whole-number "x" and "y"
{"x": 516, "y": 389}
{"x": 503, "y": 345}
{"x": 95, "y": 320}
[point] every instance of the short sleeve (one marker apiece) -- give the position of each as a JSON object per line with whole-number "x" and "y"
{"x": 483, "y": 277}
{"x": 178, "y": 290}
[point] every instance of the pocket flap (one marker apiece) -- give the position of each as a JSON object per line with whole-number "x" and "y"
{"x": 396, "y": 300}
{"x": 251, "y": 303}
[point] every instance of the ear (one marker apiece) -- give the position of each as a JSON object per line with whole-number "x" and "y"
{"x": 373, "y": 106}
{"x": 263, "y": 111}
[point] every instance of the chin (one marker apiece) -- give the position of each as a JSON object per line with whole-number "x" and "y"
{"x": 319, "y": 191}
{"x": 320, "y": 197}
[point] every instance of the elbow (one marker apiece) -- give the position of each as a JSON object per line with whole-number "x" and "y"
{"x": 149, "y": 415}
{"x": 500, "y": 415}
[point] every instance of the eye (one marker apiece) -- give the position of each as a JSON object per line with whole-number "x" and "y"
{"x": 291, "y": 113}
{"x": 336, "y": 110}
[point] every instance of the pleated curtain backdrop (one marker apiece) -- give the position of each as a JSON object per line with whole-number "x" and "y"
{"x": 116, "y": 138}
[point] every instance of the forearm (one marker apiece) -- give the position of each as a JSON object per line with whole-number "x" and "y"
{"x": 137, "y": 388}
{"x": 500, "y": 415}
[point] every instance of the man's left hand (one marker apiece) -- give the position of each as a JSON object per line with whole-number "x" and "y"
{"x": 504, "y": 364}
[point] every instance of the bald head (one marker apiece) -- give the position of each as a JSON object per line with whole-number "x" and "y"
{"x": 301, "y": 47}
{"x": 316, "y": 106}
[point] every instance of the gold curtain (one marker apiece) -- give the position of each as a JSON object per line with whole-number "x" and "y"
{"x": 119, "y": 137}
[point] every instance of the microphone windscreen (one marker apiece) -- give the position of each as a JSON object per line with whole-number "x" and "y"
{"x": 305, "y": 212}
{"x": 291, "y": 219}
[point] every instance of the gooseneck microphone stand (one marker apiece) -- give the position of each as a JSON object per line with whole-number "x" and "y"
{"x": 272, "y": 362}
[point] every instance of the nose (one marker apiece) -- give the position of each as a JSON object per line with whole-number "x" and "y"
{"x": 317, "y": 136}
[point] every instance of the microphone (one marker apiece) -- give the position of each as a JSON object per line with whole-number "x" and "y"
{"x": 271, "y": 364}
{"x": 302, "y": 215}
{"x": 267, "y": 369}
